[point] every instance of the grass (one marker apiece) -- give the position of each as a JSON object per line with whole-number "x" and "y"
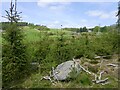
{"x": 31, "y": 35}
{"x": 32, "y": 38}
{"x": 83, "y": 80}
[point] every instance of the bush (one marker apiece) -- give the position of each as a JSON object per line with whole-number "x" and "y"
{"x": 84, "y": 79}
{"x": 79, "y": 78}
{"x": 106, "y": 44}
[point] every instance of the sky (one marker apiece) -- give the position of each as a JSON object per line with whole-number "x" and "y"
{"x": 54, "y": 13}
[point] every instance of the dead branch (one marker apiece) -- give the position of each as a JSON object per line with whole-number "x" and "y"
{"x": 101, "y": 81}
{"x": 98, "y": 79}
{"x": 114, "y": 65}
{"x": 100, "y": 75}
{"x": 84, "y": 69}
{"x": 105, "y": 83}
{"x": 48, "y": 78}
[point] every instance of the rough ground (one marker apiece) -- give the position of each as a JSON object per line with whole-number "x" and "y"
{"x": 111, "y": 72}
{"x": 84, "y": 80}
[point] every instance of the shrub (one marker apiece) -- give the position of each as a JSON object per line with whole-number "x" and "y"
{"x": 84, "y": 79}
{"x": 79, "y": 78}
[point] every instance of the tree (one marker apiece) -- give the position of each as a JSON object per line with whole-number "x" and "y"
{"x": 96, "y": 28}
{"x": 84, "y": 29}
{"x": 15, "y": 64}
{"x": 12, "y": 15}
{"x": 104, "y": 29}
{"x": 81, "y": 30}
{"x": 118, "y": 14}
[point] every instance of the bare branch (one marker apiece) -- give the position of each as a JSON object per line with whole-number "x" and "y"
{"x": 114, "y": 65}
{"x": 100, "y": 75}
{"x": 102, "y": 81}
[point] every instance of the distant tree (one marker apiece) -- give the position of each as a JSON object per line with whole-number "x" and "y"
{"x": 84, "y": 29}
{"x": 81, "y": 30}
{"x": 104, "y": 29}
{"x": 42, "y": 28}
{"x": 96, "y": 28}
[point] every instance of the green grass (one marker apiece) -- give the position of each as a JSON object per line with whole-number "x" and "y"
{"x": 31, "y": 35}
{"x": 34, "y": 35}
{"x": 32, "y": 39}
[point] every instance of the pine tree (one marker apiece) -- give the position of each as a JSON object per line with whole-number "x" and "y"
{"x": 15, "y": 64}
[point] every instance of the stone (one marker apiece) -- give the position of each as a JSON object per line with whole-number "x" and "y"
{"x": 62, "y": 70}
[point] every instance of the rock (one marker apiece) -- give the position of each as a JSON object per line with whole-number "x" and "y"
{"x": 62, "y": 70}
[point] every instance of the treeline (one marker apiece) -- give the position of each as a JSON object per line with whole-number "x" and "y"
{"x": 31, "y": 25}
{"x": 95, "y": 29}
{"x": 77, "y": 30}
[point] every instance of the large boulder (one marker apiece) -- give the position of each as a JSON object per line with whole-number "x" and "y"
{"x": 62, "y": 70}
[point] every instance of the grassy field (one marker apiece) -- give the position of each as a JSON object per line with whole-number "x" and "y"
{"x": 33, "y": 38}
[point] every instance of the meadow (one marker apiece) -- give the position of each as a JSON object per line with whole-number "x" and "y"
{"x": 51, "y": 47}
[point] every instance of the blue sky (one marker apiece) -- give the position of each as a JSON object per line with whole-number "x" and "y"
{"x": 68, "y": 14}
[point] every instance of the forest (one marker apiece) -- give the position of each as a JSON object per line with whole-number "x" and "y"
{"x": 29, "y": 52}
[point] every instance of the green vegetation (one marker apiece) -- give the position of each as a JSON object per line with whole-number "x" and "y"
{"x": 30, "y": 51}
{"x": 52, "y": 49}
{"x": 14, "y": 56}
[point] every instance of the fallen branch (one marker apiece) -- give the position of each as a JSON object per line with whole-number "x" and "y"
{"x": 84, "y": 69}
{"x": 100, "y": 75}
{"x": 114, "y": 65}
{"x": 105, "y": 83}
{"x": 48, "y": 78}
{"x": 98, "y": 79}
{"x": 51, "y": 75}
{"x": 101, "y": 81}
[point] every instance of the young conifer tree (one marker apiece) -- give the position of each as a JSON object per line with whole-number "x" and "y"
{"x": 15, "y": 64}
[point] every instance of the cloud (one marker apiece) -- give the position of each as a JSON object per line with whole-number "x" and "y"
{"x": 101, "y": 14}
{"x": 51, "y": 3}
